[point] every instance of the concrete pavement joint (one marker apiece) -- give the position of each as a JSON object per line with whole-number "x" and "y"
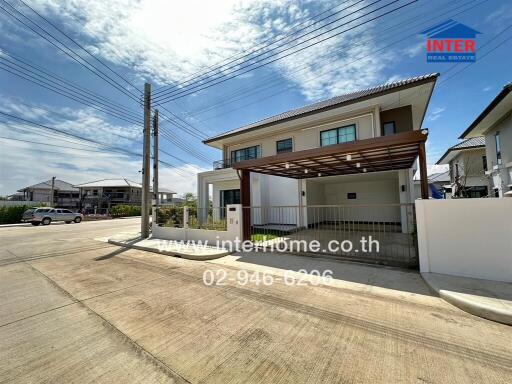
{"x": 18, "y": 259}
{"x": 138, "y": 348}
{"x": 370, "y": 326}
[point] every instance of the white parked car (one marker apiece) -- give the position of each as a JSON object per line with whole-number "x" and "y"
{"x": 45, "y": 215}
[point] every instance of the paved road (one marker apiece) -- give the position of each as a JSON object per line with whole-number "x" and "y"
{"x": 77, "y": 310}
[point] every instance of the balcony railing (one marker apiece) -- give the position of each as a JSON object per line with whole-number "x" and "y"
{"x": 228, "y": 163}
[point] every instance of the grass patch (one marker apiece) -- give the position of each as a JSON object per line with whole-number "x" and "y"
{"x": 263, "y": 237}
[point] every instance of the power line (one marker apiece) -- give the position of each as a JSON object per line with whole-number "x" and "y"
{"x": 250, "y": 62}
{"x": 213, "y": 82}
{"x": 53, "y": 75}
{"x": 80, "y": 46}
{"x": 64, "y": 90}
{"x": 53, "y": 113}
{"x": 218, "y": 67}
{"x": 64, "y": 132}
{"x": 61, "y": 92}
{"x": 95, "y": 71}
{"x": 325, "y": 72}
{"x": 274, "y": 81}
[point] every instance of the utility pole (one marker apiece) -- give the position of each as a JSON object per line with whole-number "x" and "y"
{"x": 144, "y": 225}
{"x": 155, "y": 158}
{"x": 52, "y": 199}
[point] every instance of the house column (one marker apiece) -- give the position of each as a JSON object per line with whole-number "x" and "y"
{"x": 245, "y": 199}
{"x": 422, "y": 159}
{"x": 203, "y": 199}
{"x": 376, "y": 121}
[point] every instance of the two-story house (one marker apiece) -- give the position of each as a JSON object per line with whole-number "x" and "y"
{"x": 494, "y": 123}
{"x": 468, "y": 163}
{"x": 357, "y": 149}
{"x": 65, "y": 195}
{"x": 100, "y": 195}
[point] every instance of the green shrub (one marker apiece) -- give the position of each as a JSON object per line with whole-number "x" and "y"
{"x": 125, "y": 210}
{"x": 12, "y": 214}
{"x": 170, "y": 216}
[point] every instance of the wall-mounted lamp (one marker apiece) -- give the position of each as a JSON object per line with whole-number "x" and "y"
{"x": 306, "y": 171}
{"x": 287, "y": 165}
{"x": 319, "y": 174}
{"x": 349, "y": 157}
{"x": 364, "y": 169}
{"x": 358, "y": 165}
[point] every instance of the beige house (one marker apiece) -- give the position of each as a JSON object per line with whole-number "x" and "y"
{"x": 100, "y": 195}
{"x": 495, "y": 125}
{"x": 308, "y": 167}
{"x": 468, "y": 165}
{"x": 65, "y": 195}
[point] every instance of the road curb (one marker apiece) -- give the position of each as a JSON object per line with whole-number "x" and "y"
{"x": 182, "y": 255}
{"x": 464, "y": 302}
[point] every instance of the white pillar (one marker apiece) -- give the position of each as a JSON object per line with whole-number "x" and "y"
{"x": 405, "y": 191}
{"x": 376, "y": 121}
{"x": 203, "y": 198}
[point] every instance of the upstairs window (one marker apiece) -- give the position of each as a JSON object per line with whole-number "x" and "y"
{"x": 484, "y": 163}
{"x": 245, "y": 154}
{"x": 388, "y": 128}
{"x": 498, "y": 147}
{"x": 285, "y": 145}
{"x": 338, "y": 135}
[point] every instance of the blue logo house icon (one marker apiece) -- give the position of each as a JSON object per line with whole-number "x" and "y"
{"x": 451, "y": 41}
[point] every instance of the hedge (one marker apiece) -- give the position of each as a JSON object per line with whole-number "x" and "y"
{"x": 125, "y": 210}
{"x": 12, "y": 214}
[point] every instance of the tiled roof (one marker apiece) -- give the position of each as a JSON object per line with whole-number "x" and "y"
{"x": 59, "y": 185}
{"x": 110, "y": 183}
{"x": 329, "y": 103}
{"x": 474, "y": 142}
{"x": 470, "y": 143}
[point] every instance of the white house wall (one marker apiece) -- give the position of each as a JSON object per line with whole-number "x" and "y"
{"x": 369, "y": 193}
{"x": 501, "y": 174}
{"x": 309, "y": 137}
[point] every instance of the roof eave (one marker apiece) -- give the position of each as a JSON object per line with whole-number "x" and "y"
{"x": 431, "y": 79}
{"x": 504, "y": 92}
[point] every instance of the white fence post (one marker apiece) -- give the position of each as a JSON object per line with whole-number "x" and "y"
{"x": 185, "y": 217}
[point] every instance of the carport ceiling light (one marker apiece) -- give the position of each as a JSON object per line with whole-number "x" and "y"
{"x": 286, "y": 165}
{"x": 349, "y": 157}
{"x": 358, "y": 165}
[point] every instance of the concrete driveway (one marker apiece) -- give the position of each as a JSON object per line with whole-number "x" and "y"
{"x": 75, "y": 309}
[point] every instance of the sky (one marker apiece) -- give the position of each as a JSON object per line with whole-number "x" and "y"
{"x": 170, "y": 43}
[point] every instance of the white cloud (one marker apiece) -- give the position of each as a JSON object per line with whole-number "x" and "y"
{"x": 436, "y": 113}
{"x": 487, "y": 89}
{"x": 169, "y": 41}
{"x": 30, "y": 163}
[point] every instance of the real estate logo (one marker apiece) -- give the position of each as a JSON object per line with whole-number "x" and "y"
{"x": 451, "y": 41}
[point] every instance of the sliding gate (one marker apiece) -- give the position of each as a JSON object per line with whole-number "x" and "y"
{"x": 373, "y": 233}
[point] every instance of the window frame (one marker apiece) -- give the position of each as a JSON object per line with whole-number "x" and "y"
{"x": 337, "y": 130}
{"x": 497, "y": 143}
{"x": 286, "y": 149}
{"x": 383, "y": 132}
{"x": 233, "y": 156}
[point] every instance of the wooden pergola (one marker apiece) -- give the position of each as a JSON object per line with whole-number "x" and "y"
{"x": 377, "y": 154}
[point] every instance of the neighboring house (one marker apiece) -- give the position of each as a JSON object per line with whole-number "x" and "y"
{"x": 100, "y": 195}
{"x": 356, "y": 149}
{"x": 65, "y": 195}
{"x": 495, "y": 124}
{"x": 439, "y": 181}
{"x": 468, "y": 164}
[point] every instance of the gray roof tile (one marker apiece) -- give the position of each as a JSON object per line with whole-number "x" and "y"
{"x": 332, "y": 102}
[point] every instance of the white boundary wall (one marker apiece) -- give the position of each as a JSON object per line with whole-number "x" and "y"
{"x": 234, "y": 230}
{"x": 466, "y": 237}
